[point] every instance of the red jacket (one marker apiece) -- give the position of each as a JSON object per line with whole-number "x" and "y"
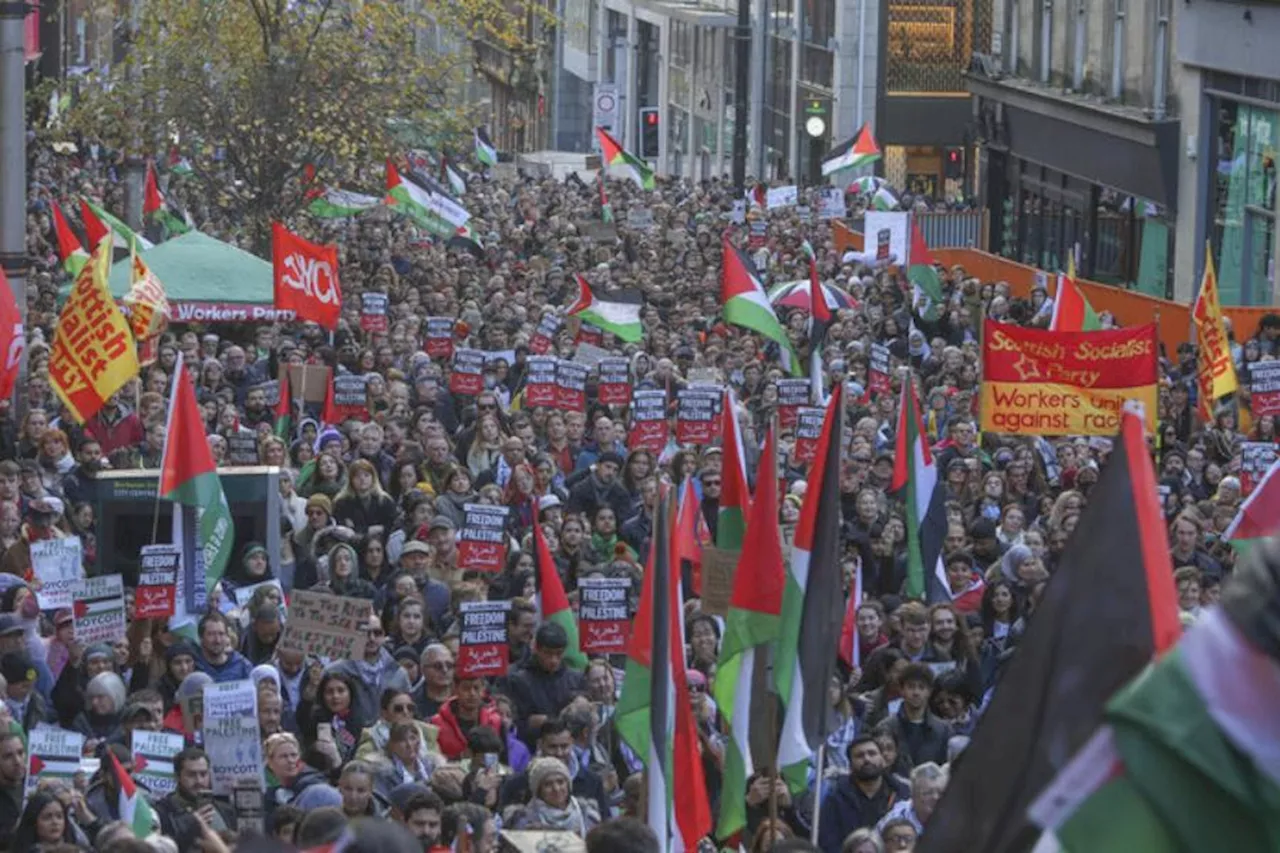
{"x": 125, "y": 432}
{"x": 453, "y": 740}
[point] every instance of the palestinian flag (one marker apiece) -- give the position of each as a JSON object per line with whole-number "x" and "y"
{"x": 606, "y": 209}
{"x": 753, "y": 621}
{"x": 653, "y": 714}
{"x": 852, "y": 153}
{"x": 620, "y": 316}
{"x": 915, "y": 475}
{"x": 156, "y": 207}
{"x": 1259, "y": 515}
{"x": 188, "y": 477}
{"x": 457, "y": 183}
{"x": 850, "y": 642}
{"x": 178, "y": 165}
{"x": 135, "y": 811}
{"x": 735, "y": 498}
{"x": 553, "y": 604}
{"x": 616, "y": 157}
{"x": 747, "y": 305}
{"x": 437, "y": 213}
{"x": 819, "y": 322}
{"x": 485, "y": 152}
{"x": 812, "y": 607}
{"x": 756, "y": 196}
{"x": 73, "y": 255}
{"x": 283, "y": 428}
{"x": 923, "y": 274}
{"x": 688, "y": 542}
{"x": 98, "y": 223}
{"x": 329, "y": 414}
{"x": 1071, "y": 660}
{"x": 466, "y": 240}
{"x": 340, "y": 204}
{"x": 1071, "y": 310}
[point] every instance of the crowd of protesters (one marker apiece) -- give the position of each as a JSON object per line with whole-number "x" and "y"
{"x": 371, "y": 508}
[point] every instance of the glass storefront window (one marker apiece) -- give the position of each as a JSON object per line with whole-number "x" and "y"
{"x": 931, "y": 43}
{"x": 1244, "y": 202}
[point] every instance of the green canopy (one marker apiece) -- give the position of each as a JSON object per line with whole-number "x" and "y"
{"x": 197, "y": 268}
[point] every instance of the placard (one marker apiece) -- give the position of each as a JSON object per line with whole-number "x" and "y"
{"x": 53, "y": 753}
{"x": 545, "y": 337}
{"x": 718, "y": 566}
{"x": 157, "y": 579}
{"x": 778, "y": 197}
{"x": 307, "y": 382}
{"x": 878, "y": 378}
{"x": 482, "y": 545}
{"x": 808, "y": 431}
{"x": 696, "y": 416}
{"x": 604, "y": 617}
{"x": 1264, "y": 388}
{"x": 482, "y": 642}
{"x": 805, "y": 213}
{"x": 373, "y": 312}
{"x": 614, "y": 385}
{"x": 640, "y": 218}
{"x": 98, "y": 609}
{"x": 590, "y": 335}
{"x": 326, "y": 626}
{"x": 590, "y": 354}
{"x": 250, "y": 807}
{"x": 738, "y": 213}
{"x": 232, "y": 739}
{"x": 571, "y": 386}
{"x": 439, "y": 337}
{"x": 792, "y": 394}
{"x": 351, "y": 396}
{"x": 831, "y": 203}
{"x": 540, "y": 382}
{"x": 886, "y": 235}
{"x": 242, "y": 449}
{"x": 757, "y": 233}
{"x": 271, "y": 390}
{"x": 648, "y": 421}
{"x": 1256, "y": 458}
{"x": 468, "y": 372}
{"x": 244, "y": 594}
{"x": 58, "y": 564}
{"x": 153, "y": 754}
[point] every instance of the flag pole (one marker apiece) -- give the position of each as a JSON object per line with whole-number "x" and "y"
{"x": 817, "y": 794}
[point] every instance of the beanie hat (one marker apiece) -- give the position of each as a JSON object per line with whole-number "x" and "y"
{"x": 543, "y": 769}
{"x": 320, "y": 501}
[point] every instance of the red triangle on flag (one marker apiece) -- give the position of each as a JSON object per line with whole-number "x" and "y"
{"x": 865, "y": 143}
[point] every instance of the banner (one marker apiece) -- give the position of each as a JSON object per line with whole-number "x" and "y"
{"x": 1037, "y": 382}
{"x": 614, "y": 386}
{"x": 306, "y": 278}
{"x": 468, "y": 372}
{"x": 540, "y": 381}
{"x": 153, "y": 754}
{"x": 373, "y": 312}
{"x": 482, "y": 643}
{"x": 885, "y": 236}
{"x": 808, "y": 430}
{"x": 98, "y": 610}
{"x": 326, "y": 626}
{"x": 58, "y": 565}
{"x": 571, "y": 386}
{"x": 648, "y": 421}
{"x": 604, "y": 616}
{"x": 157, "y": 577}
{"x": 1256, "y": 458}
{"x": 231, "y": 736}
{"x": 792, "y": 394}
{"x": 351, "y": 396}
{"x": 439, "y": 339}
{"x": 831, "y": 203}
{"x": 93, "y": 353}
{"x": 149, "y": 310}
{"x": 777, "y": 197}
{"x": 878, "y": 379}
{"x": 482, "y": 545}
{"x": 696, "y": 421}
{"x": 1264, "y": 388}
{"x": 544, "y": 337}
{"x": 1216, "y": 374}
{"x": 54, "y": 753}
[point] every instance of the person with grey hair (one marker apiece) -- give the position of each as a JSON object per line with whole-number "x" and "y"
{"x": 104, "y": 700}
{"x": 928, "y": 781}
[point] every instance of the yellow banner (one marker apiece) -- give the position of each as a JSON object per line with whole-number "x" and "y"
{"x": 1048, "y": 408}
{"x": 1216, "y": 372}
{"x": 147, "y": 303}
{"x": 93, "y": 352}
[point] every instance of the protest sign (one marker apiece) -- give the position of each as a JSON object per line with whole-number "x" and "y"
{"x": 808, "y": 430}
{"x": 270, "y": 390}
{"x": 590, "y": 354}
{"x": 878, "y": 371}
{"x": 886, "y": 235}
{"x": 718, "y": 566}
{"x": 792, "y": 394}
{"x": 1256, "y": 458}
{"x": 350, "y": 396}
{"x": 468, "y": 372}
{"x": 1264, "y": 388}
{"x": 640, "y": 218}
{"x": 98, "y": 609}
{"x": 244, "y": 594}
{"x": 232, "y": 740}
{"x": 589, "y": 334}
{"x": 482, "y": 643}
{"x": 614, "y": 386}
{"x": 439, "y": 337}
{"x": 648, "y": 421}
{"x": 757, "y": 233}
{"x": 54, "y": 753}
{"x": 153, "y": 754}
{"x": 157, "y": 577}
{"x": 571, "y": 386}
{"x": 242, "y": 449}
{"x": 831, "y": 203}
{"x": 604, "y": 618}
{"x": 779, "y": 197}
{"x": 58, "y": 565}
{"x": 738, "y": 213}
{"x": 373, "y": 312}
{"x": 482, "y": 545}
{"x": 250, "y": 807}
{"x": 696, "y": 415}
{"x": 326, "y": 626}
{"x": 545, "y": 335}
{"x": 540, "y": 382}
{"x": 307, "y": 382}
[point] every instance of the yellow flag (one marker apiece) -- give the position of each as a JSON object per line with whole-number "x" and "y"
{"x": 1216, "y": 373}
{"x": 93, "y": 352}
{"x": 148, "y": 305}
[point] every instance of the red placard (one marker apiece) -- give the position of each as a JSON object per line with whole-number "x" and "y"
{"x": 544, "y": 338}
{"x": 589, "y": 334}
{"x": 696, "y": 421}
{"x": 1264, "y": 388}
{"x": 614, "y": 387}
{"x": 648, "y": 421}
{"x": 571, "y": 386}
{"x": 373, "y": 312}
{"x": 792, "y": 394}
{"x": 1256, "y": 458}
{"x": 604, "y": 615}
{"x": 482, "y": 545}
{"x": 468, "y": 372}
{"x": 540, "y": 387}
{"x": 157, "y": 577}
{"x": 878, "y": 381}
{"x": 439, "y": 340}
{"x": 482, "y": 642}
{"x": 808, "y": 430}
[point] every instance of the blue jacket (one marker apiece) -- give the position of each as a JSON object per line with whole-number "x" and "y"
{"x": 845, "y": 809}
{"x": 237, "y": 668}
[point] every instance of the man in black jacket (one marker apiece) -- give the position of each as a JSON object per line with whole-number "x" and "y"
{"x": 859, "y": 799}
{"x": 13, "y": 774}
{"x": 555, "y": 741}
{"x": 182, "y": 812}
{"x": 922, "y": 735}
{"x": 544, "y": 685}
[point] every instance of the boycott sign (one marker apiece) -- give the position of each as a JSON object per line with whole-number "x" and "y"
{"x": 231, "y": 737}
{"x": 571, "y": 386}
{"x": 153, "y": 754}
{"x": 792, "y": 394}
{"x": 540, "y": 384}
{"x": 695, "y": 415}
{"x": 545, "y": 336}
{"x": 1264, "y": 388}
{"x": 58, "y": 564}
{"x": 99, "y": 609}
{"x": 373, "y": 312}
{"x": 468, "y": 372}
{"x": 1038, "y": 382}
{"x": 55, "y": 754}
{"x": 614, "y": 387}
{"x": 326, "y": 626}
{"x": 482, "y": 643}
{"x": 648, "y": 421}
{"x": 156, "y": 579}
{"x": 604, "y": 620}
{"x": 808, "y": 431}
{"x": 350, "y": 395}
{"x": 439, "y": 340}
{"x": 1256, "y": 458}
{"x": 483, "y": 543}
{"x": 878, "y": 371}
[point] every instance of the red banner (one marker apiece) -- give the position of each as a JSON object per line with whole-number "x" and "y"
{"x": 306, "y": 277}
{"x": 482, "y": 642}
{"x": 648, "y": 421}
{"x": 696, "y": 421}
{"x": 604, "y": 616}
{"x": 540, "y": 383}
{"x": 614, "y": 387}
{"x": 571, "y": 386}
{"x": 439, "y": 340}
{"x": 468, "y": 372}
{"x": 482, "y": 545}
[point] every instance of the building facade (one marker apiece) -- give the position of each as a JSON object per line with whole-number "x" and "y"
{"x": 1077, "y": 115}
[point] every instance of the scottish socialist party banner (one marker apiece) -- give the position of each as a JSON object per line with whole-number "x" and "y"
{"x": 1037, "y": 382}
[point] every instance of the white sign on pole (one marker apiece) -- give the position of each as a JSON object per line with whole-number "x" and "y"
{"x": 231, "y": 737}
{"x": 58, "y": 565}
{"x": 885, "y": 236}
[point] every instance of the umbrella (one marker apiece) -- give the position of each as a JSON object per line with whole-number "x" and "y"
{"x": 796, "y": 295}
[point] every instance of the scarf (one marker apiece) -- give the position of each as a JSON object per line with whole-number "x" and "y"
{"x": 421, "y": 771}
{"x": 539, "y": 815}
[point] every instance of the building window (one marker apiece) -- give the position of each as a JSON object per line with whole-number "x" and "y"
{"x": 930, "y": 44}
{"x": 1243, "y": 206}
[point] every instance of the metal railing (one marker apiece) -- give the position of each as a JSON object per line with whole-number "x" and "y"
{"x": 960, "y": 229}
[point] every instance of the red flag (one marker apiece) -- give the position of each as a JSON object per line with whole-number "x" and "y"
{"x": 329, "y": 415}
{"x": 850, "y": 642}
{"x": 306, "y": 277}
{"x": 152, "y": 200}
{"x": 93, "y": 227}
{"x": 68, "y": 243}
{"x": 687, "y": 545}
{"x": 12, "y": 338}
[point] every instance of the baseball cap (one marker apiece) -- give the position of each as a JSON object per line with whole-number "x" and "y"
{"x": 17, "y": 668}
{"x": 10, "y": 624}
{"x": 440, "y": 522}
{"x": 414, "y": 546}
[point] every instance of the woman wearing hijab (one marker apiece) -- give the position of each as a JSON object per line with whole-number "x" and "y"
{"x": 553, "y": 805}
{"x": 344, "y": 577}
{"x": 254, "y": 568}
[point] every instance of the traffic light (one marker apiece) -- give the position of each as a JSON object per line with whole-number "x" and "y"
{"x": 953, "y": 164}
{"x": 649, "y": 132}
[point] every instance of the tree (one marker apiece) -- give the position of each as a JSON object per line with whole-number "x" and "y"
{"x": 257, "y": 93}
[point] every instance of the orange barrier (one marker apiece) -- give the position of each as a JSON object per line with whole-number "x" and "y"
{"x": 1129, "y": 307}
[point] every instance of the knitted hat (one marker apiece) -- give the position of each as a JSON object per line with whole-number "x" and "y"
{"x": 320, "y": 501}
{"x": 543, "y": 769}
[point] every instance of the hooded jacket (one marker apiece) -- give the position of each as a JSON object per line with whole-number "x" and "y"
{"x": 452, "y": 738}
